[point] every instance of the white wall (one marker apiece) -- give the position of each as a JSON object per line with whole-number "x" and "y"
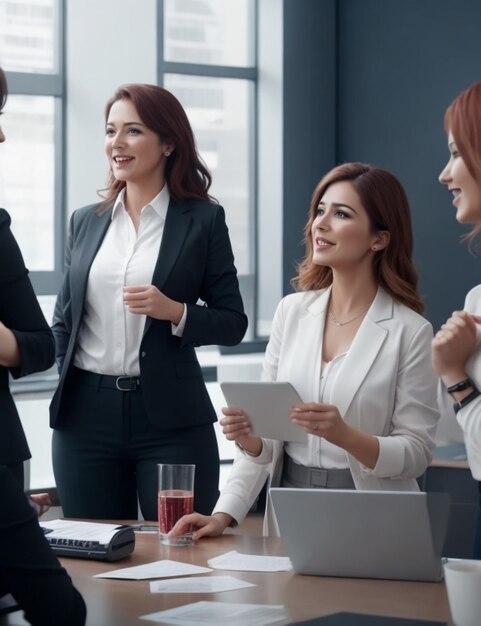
{"x": 270, "y": 145}
{"x": 108, "y": 43}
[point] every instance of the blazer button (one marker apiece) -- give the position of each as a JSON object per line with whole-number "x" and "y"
{"x": 142, "y": 354}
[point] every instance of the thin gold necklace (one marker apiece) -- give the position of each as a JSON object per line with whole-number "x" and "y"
{"x": 338, "y": 323}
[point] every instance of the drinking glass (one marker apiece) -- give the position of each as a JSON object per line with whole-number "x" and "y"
{"x": 175, "y": 499}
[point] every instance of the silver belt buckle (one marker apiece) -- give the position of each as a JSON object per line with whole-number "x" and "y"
{"x": 131, "y": 381}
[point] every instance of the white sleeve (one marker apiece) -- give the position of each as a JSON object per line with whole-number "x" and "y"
{"x": 178, "y": 329}
{"x": 469, "y": 418}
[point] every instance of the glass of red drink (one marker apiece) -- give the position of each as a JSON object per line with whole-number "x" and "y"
{"x": 175, "y": 499}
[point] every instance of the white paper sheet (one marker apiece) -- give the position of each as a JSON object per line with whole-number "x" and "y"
{"x": 250, "y": 562}
{"x": 84, "y": 531}
{"x": 157, "y": 569}
{"x": 199, "y": 584}
{"x": 209, "y": 613}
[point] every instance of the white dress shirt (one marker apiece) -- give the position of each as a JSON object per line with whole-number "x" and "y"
{"x": 318, "y": 452}
{"x": 110, "y": 335}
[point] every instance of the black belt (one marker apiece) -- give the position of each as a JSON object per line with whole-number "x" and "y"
{"x": 103, "y": 381}
{"x": 317, "y": 477}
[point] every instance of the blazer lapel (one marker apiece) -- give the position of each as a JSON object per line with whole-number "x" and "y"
{"x": 91, "y": 239}
{"x": 176, "y": 228}
{"x": 305, "y": 371}
{"x": 362, "y": 353}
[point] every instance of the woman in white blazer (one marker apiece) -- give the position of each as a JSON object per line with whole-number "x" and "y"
{"x": 456, "y": 354}
{"x": 354, "y": 345}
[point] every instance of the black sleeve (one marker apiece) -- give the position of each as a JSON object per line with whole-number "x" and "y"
{"x": 62, "y": 315}
{"x": 222, "y": 320}
{"x": 29, "y": 570}
{"x": 19, "y": 308}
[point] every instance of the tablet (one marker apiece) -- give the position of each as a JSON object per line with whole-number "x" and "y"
{"x": 267, "y": 405}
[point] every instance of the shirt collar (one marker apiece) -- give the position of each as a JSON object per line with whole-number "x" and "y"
{"x": 160, "y": 203}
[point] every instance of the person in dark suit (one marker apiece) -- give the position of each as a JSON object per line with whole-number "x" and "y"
{"x": 150, "y": 275}
{"x": 29, "y": 570}
{"x": 26, "y": 341}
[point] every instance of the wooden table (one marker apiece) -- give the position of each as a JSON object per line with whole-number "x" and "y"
{"x": 120, "y": 602}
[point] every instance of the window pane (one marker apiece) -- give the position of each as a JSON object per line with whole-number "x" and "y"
{"x": 28, "y": 35}
{"x": 213, "y": 32}
{"x": 219, "y": 111}
{"x": 27, "y": 161}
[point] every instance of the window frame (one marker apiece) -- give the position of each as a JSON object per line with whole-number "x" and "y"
{"x": 248, "y": 282}
{"x": 53, "y": 85}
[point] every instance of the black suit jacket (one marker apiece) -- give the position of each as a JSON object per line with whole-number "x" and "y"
{"x": 21, "y": 313}
{"x": 29, "y": 570}
{"x": 195, "y": 262}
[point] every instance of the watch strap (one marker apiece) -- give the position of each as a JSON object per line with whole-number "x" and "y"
{"x": 462, "y": 385}
{"x": 460, "y": 404}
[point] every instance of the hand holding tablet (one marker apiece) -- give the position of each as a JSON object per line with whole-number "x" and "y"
{"x": 267, "y": 405}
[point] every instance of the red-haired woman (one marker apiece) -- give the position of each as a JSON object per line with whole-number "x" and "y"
{"x": 128, "y": 317}
{"x": 354, "y": 345}
{"x": 456, "y": 356}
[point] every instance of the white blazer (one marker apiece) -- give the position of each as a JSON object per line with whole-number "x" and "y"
{"x": 385, "y": 386}
{"x": 469, "y": 418}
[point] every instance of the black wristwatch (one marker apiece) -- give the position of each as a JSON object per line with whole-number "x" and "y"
{"x": 462, "y": 385}
{"x": 469, "y": 398}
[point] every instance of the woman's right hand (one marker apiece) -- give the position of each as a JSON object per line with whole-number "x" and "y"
{"x": 202, "y": 525}
{"x": 237, "y": 427}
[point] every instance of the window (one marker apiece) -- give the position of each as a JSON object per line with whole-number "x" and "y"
{"x": 31, "y": 159}
{"x": 207, "y": 59}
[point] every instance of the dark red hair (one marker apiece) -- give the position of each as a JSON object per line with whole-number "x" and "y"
{"x": 3, "y": 89}
{"x": 185, "y": 173}
{"x": 463, "y": 120}
{"x": 387, "y": 207}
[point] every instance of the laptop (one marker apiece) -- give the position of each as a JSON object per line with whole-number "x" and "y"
{"x": 363, "y": 534}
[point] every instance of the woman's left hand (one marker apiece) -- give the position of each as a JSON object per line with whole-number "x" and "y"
{"x": 148, "y": 300}
{"x": 41, "y": 502}
{"x": 322, "y": 420}
{"x": 454, "y": 343}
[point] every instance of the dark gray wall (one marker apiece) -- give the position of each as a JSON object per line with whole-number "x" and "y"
{"x": 309, "y": 114}
{"x": 397, "y": 65}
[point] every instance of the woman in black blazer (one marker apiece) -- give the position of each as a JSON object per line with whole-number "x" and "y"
{"x": 26, "y": 342}
{"x": 29, "y": 570}
{"x": 150, "y": 275}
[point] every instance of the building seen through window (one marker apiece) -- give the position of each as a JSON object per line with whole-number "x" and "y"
{"x": 208, "y": 61}
{"x": 30, "y": 170}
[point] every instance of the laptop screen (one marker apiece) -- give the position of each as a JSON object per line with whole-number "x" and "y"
{"x": 365, "y": 534}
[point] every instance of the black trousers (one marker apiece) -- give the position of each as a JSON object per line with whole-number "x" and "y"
{"x": 106, "y": 451}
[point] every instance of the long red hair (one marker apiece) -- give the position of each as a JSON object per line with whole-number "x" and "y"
{"x": 387, "y": 206}
{"x": 463, "y": 120}
{"x": 187, "y": 176}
